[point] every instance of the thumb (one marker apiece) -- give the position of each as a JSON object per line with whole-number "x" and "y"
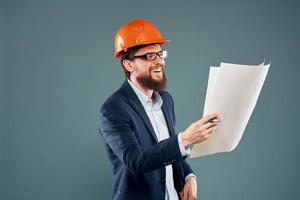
{"x": 181, "y": 195}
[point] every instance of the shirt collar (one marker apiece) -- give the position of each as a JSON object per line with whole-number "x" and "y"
{"x": 144, "y": 99}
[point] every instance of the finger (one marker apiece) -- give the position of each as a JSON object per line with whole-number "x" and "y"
{"x": 205, "y": 134}
{"x": 209, "y": 131}
{"x": 188, "y": 195}
{"x": 181, "y": 195}
{"x": 191, "y": 195}
{"x": 208, "y": 117}
{"x": 202, "y": 131}
{"x": 200, "y": 127}
{"x": 208, "y": 125}
{"x": 185, "y": 194}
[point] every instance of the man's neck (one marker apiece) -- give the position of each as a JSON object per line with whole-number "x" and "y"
{"x": 148, "y": 92}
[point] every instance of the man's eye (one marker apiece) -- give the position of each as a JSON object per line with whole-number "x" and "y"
{"x": 150, "y": 56}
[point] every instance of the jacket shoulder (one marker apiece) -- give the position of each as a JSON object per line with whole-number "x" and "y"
{"x": 166, "y": 95}
{"x": 167, "y": 98}
{"x": 115, "y": 101}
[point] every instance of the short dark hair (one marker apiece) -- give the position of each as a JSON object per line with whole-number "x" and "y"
{"x": 128, "y": 55}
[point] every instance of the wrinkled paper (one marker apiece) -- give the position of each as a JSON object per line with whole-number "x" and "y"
{"x": 232, "y": 92}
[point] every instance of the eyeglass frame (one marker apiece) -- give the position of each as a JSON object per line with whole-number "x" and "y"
{"x": 144, "y": 56}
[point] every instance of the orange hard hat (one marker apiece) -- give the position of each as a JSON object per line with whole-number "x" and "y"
{"x": 137, "y": 32}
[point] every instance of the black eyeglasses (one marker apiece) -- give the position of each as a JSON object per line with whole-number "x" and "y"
{"x": 153, "y": 55}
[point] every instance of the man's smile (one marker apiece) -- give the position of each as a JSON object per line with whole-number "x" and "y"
{"x": 157, "y": 71}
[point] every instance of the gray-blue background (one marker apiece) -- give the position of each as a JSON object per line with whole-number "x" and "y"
{"x": 57, "y": 68}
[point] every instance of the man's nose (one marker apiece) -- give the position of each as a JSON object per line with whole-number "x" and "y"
{"x": 159, "y": 61}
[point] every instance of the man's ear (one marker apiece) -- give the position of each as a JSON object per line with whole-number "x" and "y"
{"x": 128, "y": 65}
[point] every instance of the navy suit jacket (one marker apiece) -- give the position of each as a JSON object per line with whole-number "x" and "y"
{"x": 138, "y": 159}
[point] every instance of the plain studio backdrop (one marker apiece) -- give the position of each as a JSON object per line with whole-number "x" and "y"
{"x": 57, "y": 68}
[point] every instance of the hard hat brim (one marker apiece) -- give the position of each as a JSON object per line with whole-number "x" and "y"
{"x": 163, "y": 41}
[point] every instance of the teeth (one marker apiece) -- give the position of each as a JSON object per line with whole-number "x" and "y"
{"x": 157, "y": 70}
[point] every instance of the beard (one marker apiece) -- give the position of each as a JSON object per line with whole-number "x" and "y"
{"x": 149, "y": 82}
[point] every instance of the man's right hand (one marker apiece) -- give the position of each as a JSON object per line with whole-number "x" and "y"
{"x": 200, "y": 130}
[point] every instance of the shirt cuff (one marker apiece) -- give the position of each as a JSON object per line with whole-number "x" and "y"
{"x": 184, "y": 151}
{"x": 190, "y": 175}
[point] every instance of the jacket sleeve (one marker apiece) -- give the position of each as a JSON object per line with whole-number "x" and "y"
{"x": 115, "y": 127}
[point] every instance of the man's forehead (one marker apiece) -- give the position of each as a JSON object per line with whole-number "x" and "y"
{"x": 150, "y": 48}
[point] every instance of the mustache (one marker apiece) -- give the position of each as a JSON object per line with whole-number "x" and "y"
{"x": 161, "y": 67}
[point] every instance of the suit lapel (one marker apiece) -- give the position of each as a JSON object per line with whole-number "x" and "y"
{"x": 138, "y": 107}
{"x": 169, "y": 122}
{"x": 141, "y": 111}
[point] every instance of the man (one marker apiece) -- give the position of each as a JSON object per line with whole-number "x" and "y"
{"x": 137, "y": 123}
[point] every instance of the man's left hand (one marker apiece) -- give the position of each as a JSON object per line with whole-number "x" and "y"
{"x": 189, "y": 191}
